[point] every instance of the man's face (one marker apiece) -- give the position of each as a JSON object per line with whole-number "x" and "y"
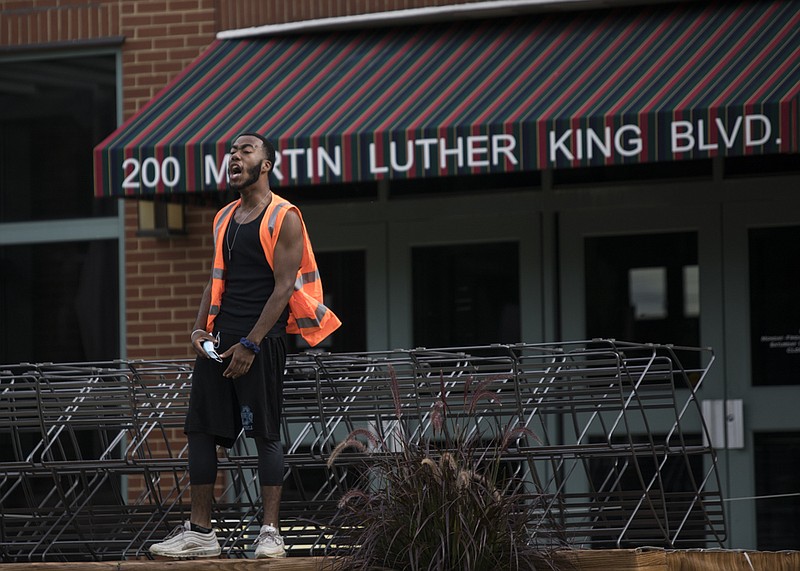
{"x": 245, "y": 162}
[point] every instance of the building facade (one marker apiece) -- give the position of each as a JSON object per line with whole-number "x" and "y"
{"x": 471, "y": 173}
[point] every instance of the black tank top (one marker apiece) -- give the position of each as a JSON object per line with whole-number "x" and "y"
{"x": 249, "y": 281}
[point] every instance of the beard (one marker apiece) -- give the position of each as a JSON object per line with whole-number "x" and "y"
{"x": 249, "y": 176}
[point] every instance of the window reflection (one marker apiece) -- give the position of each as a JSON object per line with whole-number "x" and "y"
{"x": 643, "y": 288}
{"x": 648, "y": 292}
{"x": 691, "y": 291}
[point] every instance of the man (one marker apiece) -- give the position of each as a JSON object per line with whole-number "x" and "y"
{"x": 264, "y": 282}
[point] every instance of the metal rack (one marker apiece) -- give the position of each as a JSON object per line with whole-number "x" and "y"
{"x": 613, "y": 450}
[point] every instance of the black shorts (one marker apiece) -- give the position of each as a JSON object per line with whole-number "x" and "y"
{"x": 223, "y": 407}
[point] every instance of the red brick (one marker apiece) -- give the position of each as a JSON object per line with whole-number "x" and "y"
{"x": 186, "y": 6}
{"x": 150, "y": 31}
{"x": 138, "y": 279}
{"x": 137, "y": 20}
{"x": 135, "y": 69}
{"x": 135, "y": 44}
{"x": 190, "y": 291}
{"x": 156, "y": 268}
{"x": 140, "y": 305}
{"x": 150, "y": 56}
{"x": 140, "y": 257}
{"x": 184, "y": 29}
{"x": 167, "y": 44}
{"x": 171, "y": 68}
{"x": 198, "y": 16}
{"x": 175, "y": 327}
{"x": 170, "y": 253}
{"x": 157, "y": 340}
{"x": 150, "y": 7}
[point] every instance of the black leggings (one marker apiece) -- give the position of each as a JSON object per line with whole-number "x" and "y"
{"x": 203, "y": 460}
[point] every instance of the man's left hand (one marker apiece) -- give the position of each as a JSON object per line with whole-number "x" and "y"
{"x": 241, "y": 361}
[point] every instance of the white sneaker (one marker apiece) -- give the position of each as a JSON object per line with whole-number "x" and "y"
{"x": 183, "y": 542}
{"x": 269, "y": 543}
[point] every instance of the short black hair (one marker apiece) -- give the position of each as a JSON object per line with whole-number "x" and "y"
{"x": 269, "y": 148}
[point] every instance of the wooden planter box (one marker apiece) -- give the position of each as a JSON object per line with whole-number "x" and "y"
{"x": 584, "y": 560}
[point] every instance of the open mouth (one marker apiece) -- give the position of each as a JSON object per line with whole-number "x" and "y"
{"x": 235, "y": 170}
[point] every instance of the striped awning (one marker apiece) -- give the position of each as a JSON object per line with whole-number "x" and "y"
{"x": 665, "y": 83}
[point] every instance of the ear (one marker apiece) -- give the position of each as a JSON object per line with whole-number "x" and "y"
{"x": 267, "y": 163}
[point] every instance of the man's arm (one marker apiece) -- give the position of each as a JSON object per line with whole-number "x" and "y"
{"x": 198, "y": 331}
{"x": 286, "y": 262}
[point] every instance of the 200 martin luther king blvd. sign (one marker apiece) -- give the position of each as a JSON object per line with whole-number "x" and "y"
{"x": 564, "y": 145}
{"x": 672, "y": 82}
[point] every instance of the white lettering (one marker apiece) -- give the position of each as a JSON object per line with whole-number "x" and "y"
{"x": 507, "y": 149}
{"x": 426, "y": 145}
{"x": 176, "y": 171}
{"x": 560, "y": 145}
{"x": 335, "y": 164}
{"x": 473, "y": 150}
{"x": 748, "y": 130}
{"x": 592, "y": 141}
{"x": 212, "y": 172}
{"x": 723, "y": 132}
{"x": 276, "y": 168}
{"x": 701, "y": 144}
{"x": 132, "y": 180}
{"x": 293, "y": 154}
{"x": 627, "y": 142}
{"x": 478, "y": 151}
{"x": 457, "y": 151}
{"x": 373, "y": 162}
{"x": 150, "y": 165}
{"x": 757, "y": 131}
{"x": 152, "y": 172}
{"x": 636, "y": 141}
{"x": 684, "y": 134}
{"x": 396, "y": 166}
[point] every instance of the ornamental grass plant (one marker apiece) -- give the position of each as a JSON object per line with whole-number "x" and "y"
{"x": 450, "y": 502}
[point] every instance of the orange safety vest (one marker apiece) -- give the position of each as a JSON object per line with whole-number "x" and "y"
{"x": 308, "y": 316}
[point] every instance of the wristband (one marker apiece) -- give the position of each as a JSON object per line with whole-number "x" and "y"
{"x": 191, "y": 335}
{"x": 250, "y": 345}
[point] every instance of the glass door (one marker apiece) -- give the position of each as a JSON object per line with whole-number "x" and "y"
{"x": 466, "y": 280}
{"x": 647, "y": 275}
{"x": 762, "y": 252}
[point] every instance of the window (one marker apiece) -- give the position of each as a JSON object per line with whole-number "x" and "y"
{"x": 643, "y": 288}
{"x": 52, "y": 113}
{"x": 774, "y": 306}
{"x": 344, "y": 283}
{"x": 59, "y": 297}
{"x": 777, "y": 461}
{"x": 466, "y": 294}
{"x": 59, "y": 302}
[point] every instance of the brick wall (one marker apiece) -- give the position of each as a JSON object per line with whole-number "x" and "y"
{"x": 164, "y": 281}
{"x": 33, "y": 22}
{"x": 161, "y": 38}
{"x": 164, "y": 277}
